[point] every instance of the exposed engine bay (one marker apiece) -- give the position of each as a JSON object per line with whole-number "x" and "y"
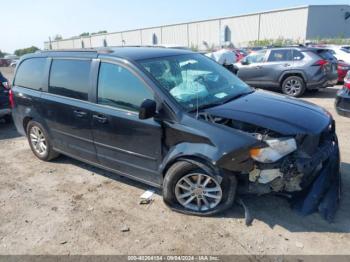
{"x": 289, "y": 164}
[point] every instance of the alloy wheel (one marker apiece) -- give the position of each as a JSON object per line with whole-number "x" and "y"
{"x": 293, "y": 87}
{"x": 38, "y": 141}
{"x": 198, "y": 192}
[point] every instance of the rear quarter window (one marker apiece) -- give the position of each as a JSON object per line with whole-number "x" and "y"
{"x": 70, "y": 78}
{"x": 30, "y": 73}
{"x": 297, "y": 56}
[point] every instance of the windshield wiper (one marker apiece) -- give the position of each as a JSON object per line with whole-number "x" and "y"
{"x": 221, "y": 102}
{"x": 236, "y": 96}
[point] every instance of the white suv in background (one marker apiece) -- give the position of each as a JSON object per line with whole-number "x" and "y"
{"x": 342, "y": 53}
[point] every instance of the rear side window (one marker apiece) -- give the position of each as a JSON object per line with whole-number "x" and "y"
{"x": 280, "y": 55}
{"x": 120, "y": 88}
{"x": 30, "y": 73}
{"x": 70, "y": 78}
{"x": 297, "y": 55}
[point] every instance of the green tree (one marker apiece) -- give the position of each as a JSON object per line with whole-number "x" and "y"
{"x": 84, "y": 34}
{"x": 99, "y": 32}
{"x": 2, "y": 54}
{"x": 23, "y": 51}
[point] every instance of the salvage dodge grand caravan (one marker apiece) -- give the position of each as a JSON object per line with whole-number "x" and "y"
{"x": 177, "y": 120}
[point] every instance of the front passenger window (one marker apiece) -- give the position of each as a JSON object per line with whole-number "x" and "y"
{"x": 257, "y": 57}
{"x": 120, "y": 88}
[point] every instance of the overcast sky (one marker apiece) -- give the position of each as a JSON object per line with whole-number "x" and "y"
{"x": 26, "y": 23}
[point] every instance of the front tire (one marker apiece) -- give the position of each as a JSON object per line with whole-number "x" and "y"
{"x": 189, "y": 189}
{"x": 293, "y": 86}
{"x": 39, "y": 142}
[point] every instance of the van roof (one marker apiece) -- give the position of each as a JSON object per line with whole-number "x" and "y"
{"x": 131, "y": 53}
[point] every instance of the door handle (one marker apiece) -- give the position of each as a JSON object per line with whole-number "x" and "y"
{"x": 79, "y": 113}
{"x": 100, "y": 118}
{"x": 258, "y": 67}
{"x": 286, "y": 64}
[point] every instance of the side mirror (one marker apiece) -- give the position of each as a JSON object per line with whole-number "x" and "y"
{"x": 148, "y": 109}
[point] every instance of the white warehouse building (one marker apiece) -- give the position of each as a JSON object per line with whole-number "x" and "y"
{"x": 297, "y": 24}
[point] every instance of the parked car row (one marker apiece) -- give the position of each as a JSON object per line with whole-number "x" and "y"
{"x": 5, "y": 62}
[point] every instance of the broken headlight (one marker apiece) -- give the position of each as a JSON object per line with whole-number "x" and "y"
{"x": 276, "y": 149}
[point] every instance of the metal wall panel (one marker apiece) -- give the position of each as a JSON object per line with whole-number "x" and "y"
{"x": 287, "y": 24}
{"x": 328, "y": 22}
{"x": 175, "y": 35}
{"x": 65, "y": 44}
{"x": 208, "y": 32}
{"x": 97, "y": 40}
{"x": 114, "y": 39}
{"x": 77, "y": 43}
{"x": 243, "y": 29}
{"x": 87, "y": 42}
{"x": 147, "y": 36}
{"x": 46, "y": 45}
{"x": 295, "y": 24}
{"x": 132, "y": 37}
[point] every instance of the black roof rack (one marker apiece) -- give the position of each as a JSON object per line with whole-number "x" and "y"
{"x": 70, "y": 50}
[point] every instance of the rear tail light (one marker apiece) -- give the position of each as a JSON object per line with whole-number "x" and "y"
{"x": 12, "y": 101}
{"x": 347, "y": 84}
{"x": 321, "y": 63}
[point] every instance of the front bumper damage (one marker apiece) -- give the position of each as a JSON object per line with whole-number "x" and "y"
{"x": 323, "y": 194}
{"x": 310, "y": 176}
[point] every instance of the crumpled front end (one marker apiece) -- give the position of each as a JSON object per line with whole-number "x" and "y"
{"x": 310, "y": 174}
{"x": 304, "y": 166}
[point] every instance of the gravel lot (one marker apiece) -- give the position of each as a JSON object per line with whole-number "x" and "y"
{"x": 66, "y": 207}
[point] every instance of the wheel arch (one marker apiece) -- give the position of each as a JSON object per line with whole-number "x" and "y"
{"x": 25, "y": 122}
{"x": 200, "y": 161}
{"x": 287, "y": 74}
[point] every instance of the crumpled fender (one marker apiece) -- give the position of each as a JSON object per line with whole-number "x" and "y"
{"x": 214, "y": 144}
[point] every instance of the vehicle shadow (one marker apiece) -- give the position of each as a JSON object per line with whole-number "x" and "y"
{"x": 270, "y": 209}
{"x": 7, "y": 130}
{"x": 276, "y": 211}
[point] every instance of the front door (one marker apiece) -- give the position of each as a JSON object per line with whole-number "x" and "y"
{"x": 124, "y": 142}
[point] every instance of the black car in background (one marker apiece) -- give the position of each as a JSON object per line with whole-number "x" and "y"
{"x": 5, "y": 111}
{"x": 293, "y": 70}
{"x": 176, "y": 120}
{"x": 342, "y": 101}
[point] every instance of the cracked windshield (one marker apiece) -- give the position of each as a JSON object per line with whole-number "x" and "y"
{"x": 194, "y": 80}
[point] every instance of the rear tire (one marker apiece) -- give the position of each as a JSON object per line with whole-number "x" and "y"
{"x": 201, "y": 199}
{"x": 39, "y": 142}
{"x": 293, "y": 86}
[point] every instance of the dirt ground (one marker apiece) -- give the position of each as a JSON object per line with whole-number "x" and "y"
{"x": 66, "y": 207}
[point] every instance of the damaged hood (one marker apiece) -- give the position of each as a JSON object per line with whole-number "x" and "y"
{"x": 285, "y": 115}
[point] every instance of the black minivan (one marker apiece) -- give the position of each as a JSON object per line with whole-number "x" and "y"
{"x": 177, "y": 120}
